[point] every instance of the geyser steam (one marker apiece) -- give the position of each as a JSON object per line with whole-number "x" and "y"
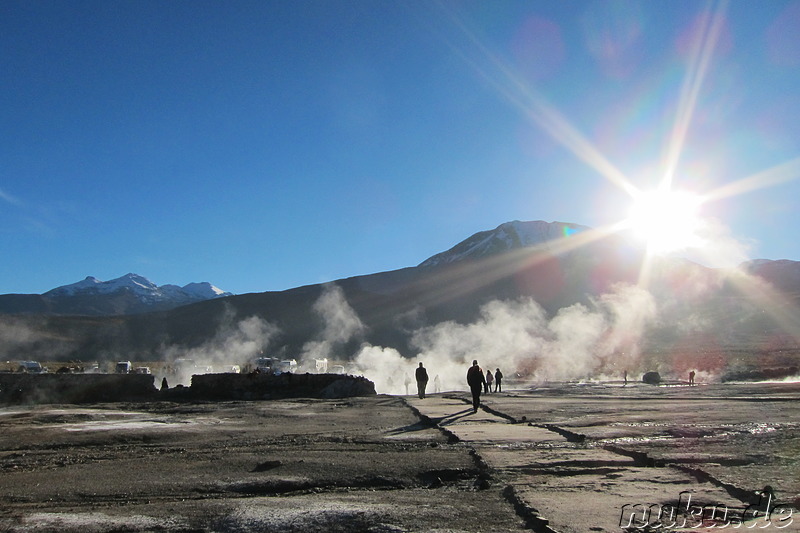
{"x": 517, "y": 336}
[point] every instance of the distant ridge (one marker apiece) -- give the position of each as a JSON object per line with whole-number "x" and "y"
{"x": 128, "y": 294}
{"x": 705, "y": 316}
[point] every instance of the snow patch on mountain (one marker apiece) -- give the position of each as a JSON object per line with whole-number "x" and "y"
{"x": 204, "y": 290}
{"x": 141, "y": 287}
{"x": 507, "y": 236}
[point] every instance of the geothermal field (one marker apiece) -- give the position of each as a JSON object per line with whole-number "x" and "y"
{"x": 554, "y": 457}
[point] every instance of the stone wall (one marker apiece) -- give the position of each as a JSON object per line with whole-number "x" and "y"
{"x": 22, "y": 388}
{"x": 267, "y": 387}
{"x": 75, "y": 388}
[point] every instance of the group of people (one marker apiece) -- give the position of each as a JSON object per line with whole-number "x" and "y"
{"x": 497, "y": 378}
{"x": 476, "y": 380}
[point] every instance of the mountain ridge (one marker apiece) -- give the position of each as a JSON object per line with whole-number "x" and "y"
{"x": 128, "y": 294}
{"x": 706, "y": 317}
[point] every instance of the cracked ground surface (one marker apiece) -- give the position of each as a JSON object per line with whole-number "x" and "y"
{"x": 562, "y": 458}
{"x": 580, "y": 458}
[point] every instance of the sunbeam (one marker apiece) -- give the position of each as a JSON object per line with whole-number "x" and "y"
{"x": 450, "y": 284}
{"x": 771, "y": 177}
{"x": 666, "y": 220}
{"x": 783, "y": 310}
{"x": 510, "y": 85}
{"x": 702, "y": 51}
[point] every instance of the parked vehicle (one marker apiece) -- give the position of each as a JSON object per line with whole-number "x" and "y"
{"x": 266, "y": 364}
{"x": 271, "y": 365}
{"x": 31, "y": 367}
{"x": 123, "y": 367}
{"x": 141, "y": 370}
{"x": 287, "y": 366}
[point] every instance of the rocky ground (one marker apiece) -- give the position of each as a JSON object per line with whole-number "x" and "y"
{"x": 564, "y": 458}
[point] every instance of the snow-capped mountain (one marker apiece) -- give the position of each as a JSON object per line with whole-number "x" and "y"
{"x": 133, "y": 282}
{"x": 507, "y": 236}
{"x": 129, "y": 294}
{"x": 142, "y": 288}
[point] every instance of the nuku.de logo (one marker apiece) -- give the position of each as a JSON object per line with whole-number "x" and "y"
{"x": 687, "y": 515}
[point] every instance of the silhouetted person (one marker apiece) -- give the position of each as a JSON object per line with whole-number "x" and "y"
{"x": 498, "y": 379}
{"x": 691, "y": 377}
{"x": 164, "y": 384}
{"x": 624, "y": 378}
{"x": 489, "y": 379}
{"x": 476, "y": 381}
{"x": 422, "y": 380}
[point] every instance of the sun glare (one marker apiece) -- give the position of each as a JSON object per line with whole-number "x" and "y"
{"x": 666, "y": 221}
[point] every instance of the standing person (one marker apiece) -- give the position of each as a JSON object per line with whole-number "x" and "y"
{"x": 625, "y": 378}
{"x": 691, "y": 377}
{"x": 488, "y": 381}
{"x": 476, "y": 381}
{"x": 498, "y": 378}
{"x": 422, "y": 380}
{"x": 437, "y": 385}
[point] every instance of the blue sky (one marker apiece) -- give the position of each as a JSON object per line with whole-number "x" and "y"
{"x": 267, "y": 145}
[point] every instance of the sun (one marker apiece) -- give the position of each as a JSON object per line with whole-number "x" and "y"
{"x": 666, "y": 221}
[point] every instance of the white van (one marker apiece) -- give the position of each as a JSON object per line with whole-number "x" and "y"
{"x": 288, "y": 366}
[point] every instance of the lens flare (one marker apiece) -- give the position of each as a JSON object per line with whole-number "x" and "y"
{"x": 666, "y": 221}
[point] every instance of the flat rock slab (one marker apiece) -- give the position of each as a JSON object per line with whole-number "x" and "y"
{"x": 590, "y": 461}
{"x": 481, "y": 427}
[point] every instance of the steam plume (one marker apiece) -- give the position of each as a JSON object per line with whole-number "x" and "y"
{"x": 579, "y": 342}
{"x": 341, "y": 324}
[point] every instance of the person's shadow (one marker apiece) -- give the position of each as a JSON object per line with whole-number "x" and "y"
{"x": 442, "y": 421}
{"x": 451, "y": 419}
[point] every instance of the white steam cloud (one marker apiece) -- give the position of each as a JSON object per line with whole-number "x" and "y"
{"x": 14, "y": 335}
{"x": 341, "y": 324}
{"x": 720, "y": 248}
{"x": 516, "y": 336}
{"x": 234, "y": 344}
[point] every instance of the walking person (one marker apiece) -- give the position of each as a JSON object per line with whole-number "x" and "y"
{"x": 476, "y": 381}
{"x": 498, "y": 378}
{"x": 489, "y": 380}
{"x": 422, "y": 380}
